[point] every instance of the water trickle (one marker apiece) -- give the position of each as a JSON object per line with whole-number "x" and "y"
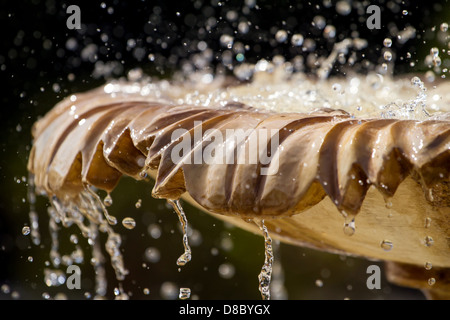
{"x": 103, "y": 204}
{"x": 265, "y": 275}
{"x": 186, "y": 256}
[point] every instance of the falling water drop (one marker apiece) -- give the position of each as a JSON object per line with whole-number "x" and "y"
{"x": 434, "y": 52}
{"x": 444, "y": 27}
{"x": 387, "y": 55}
{"x": 431, "y": 281}
{"x": 138, "y": 204}
{"x": 108, "y": 200}
{"x": 281, "y": 36}
{"x": 428, "y": 266}
{"x": 26, "y": 230}
{"x": 427, "y": 222}
{"x": 129, "y": 223}
{"x": 185, "y": 293}
{"x": 297, "y": 40}
{"x": 387, "y": 42}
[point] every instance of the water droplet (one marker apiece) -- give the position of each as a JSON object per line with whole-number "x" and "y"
{"x": 405, "y": 12}
{"x": 388, "y": 204}
{"x": 243, "y": 27}
{"x": 185, "y": 293}
{"x": 73, "y": 238}
{"x": 415, "y": 81}
{"x": 129, "y": 223}
{"x": 319, "y": 22}
{"x": 108, "y": 200}
{"x": 387, "y": 42}
{"x": 5, "y": 288}
{"x": 431, "y": 281}
{"x": 297, "y": 40}
{"x": 169, "y": 290}
{"x": 154, "y": 230}
{"x": 387, "y": 55}
{"x": 30, "y": 259}
{"x": 146, "y": 291}
{"x": 434, "y": 51}
{"x": 152, "y": 254}
{"x": 26, "y": 230}
{"x": 319, "y": 283}
{"x": 429, "y": 241}
{"x": 386, "y": 245}
{"x": 226, "y": 41}
{"x": 281, "y": 36}
{"x": 349, "y": 227}
{"x": 428, "y": 266}
{"x": 444, "y": 27}
{"x": 343, "y": 7}
{"x": 226, "y": 270}
{"x": 329, "y": 32}
{"x": 427, "y": 222}
{"x": 138, "y": 204}
{"x": 437, "y": 61}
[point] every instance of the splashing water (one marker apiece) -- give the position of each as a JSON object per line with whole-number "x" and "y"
{"x": 187, "y": 255}
{"x": 87, "y": 212}
{"x": 268, "y": 84}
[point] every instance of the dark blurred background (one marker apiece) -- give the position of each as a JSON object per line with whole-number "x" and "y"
{"x": 42, "y": 61}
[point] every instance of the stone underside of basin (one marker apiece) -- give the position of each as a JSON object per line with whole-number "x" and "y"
{"x": 406, "y": 224}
